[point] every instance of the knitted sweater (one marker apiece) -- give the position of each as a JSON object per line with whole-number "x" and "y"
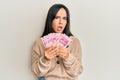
{"x": 67, "y": 69}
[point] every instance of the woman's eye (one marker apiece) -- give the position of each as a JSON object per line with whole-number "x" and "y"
{"x": 56, "y": 17}
{"x": 65, "y": 18}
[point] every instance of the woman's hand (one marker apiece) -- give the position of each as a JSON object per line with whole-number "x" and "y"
{"x": 51, "y": 52}
{"x": 63, "y": 52}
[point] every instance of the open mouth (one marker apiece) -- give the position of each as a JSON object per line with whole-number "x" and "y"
{"x": 59, "y": 28}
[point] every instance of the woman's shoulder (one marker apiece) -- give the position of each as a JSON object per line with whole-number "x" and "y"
{"x": 75, "y": 41}
{"x": 74, "y": 38}
{"x": 38, "y": 41}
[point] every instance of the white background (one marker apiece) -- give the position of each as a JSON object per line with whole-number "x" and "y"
{"x": 95, "y": 22}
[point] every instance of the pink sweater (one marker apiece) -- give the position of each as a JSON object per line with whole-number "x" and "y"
{"x": 68, "y": 69}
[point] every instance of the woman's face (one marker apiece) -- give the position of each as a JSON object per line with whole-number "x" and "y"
{"x": 60, "y": 21}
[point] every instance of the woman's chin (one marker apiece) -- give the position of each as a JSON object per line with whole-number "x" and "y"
{"x": 59, "y": 32}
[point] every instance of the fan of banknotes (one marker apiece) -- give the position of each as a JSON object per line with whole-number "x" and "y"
{"x": 56, "y": 39}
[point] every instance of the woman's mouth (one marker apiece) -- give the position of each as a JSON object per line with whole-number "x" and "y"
{"x": 59, "y": 28}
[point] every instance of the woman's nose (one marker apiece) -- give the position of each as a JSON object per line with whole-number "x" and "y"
{"x": 60, "y": 21}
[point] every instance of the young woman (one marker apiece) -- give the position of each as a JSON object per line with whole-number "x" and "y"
{"x": 57, "y": 62}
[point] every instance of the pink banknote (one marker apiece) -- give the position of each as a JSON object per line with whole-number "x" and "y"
{"x": 56, "y": 39}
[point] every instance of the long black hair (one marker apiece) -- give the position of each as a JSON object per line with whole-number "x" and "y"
{"x": 51, "y": 15}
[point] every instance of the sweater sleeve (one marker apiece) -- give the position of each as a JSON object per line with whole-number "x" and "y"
{"x": 73, "y": 64}
{"x": 40, "y": 65}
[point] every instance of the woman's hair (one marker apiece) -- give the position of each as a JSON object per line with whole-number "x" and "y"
{"x": 51, "y": 15}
